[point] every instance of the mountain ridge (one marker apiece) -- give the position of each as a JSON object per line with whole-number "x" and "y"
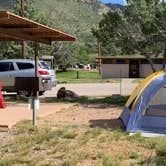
{"x": 115, "y": 6}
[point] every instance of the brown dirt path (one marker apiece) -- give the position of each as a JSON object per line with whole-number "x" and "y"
{"x": 15, "y": 112}
{"x": 98, "y": 115}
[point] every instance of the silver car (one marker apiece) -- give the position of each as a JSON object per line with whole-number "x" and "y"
{"x": 12, "y": 68}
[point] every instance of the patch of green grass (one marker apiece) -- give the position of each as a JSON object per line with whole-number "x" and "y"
{"x": 119, "y": 134}
{"x": 161, "y": 147}
{"x": 72, "y": 145}
{"x": 156, "y": 161}
{"x": 108, "y": 160}
{"x": 15, "y": 99}
{"x": 17, "y": 160}
{"x": 82, "y": 100}
{"x": 158, "y": 143}
{"x": 137, "y": 138}
{"x": 64, "y": 133}
{"x": 88, "y": 100}
{"x": 82, "y": 76}
{"x": 90, "y": 134}
{"x": 75, "y": 158}
{"x": 26, "y": 126}
{"x": 133, "y": 155}
{"x": 28, "y": 140}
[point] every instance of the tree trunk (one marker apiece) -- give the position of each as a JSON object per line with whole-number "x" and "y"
{"x": 164, "y": 60}
{"x": 151, "y": 62}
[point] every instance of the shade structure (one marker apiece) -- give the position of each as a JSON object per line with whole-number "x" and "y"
{"x": 16, "y": 28}
{"x": 145, "y": 110}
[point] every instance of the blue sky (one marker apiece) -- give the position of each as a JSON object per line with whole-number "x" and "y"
{"x": 122, "y": 2}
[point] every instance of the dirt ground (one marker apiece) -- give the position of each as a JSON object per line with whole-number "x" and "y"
{"x": 95, "y": 115}
{"x": 63, "y": 113}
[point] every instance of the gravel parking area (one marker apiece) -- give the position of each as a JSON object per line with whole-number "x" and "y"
{"x": 96, "y": 89}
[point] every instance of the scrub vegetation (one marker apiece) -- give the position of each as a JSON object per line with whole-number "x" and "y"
{"x": 78, "y": 145}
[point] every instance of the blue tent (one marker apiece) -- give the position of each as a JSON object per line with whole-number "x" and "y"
{"x": 145, "y": 110}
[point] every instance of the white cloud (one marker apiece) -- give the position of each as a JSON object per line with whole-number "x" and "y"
{"x": 124, "y": 2}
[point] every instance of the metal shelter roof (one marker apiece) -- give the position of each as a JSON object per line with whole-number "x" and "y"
{"x": 16, "y": 28}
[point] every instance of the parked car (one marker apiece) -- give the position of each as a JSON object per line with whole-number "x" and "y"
{"x": 79, "y": 66}
{"x": 87, "y": 67}
{"x": 50, "y": 70}
{"x": 11, "y": 68}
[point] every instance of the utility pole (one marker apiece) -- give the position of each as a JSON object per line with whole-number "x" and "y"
{"x": 23, "y": 42}
{"x": 99, "y": 55}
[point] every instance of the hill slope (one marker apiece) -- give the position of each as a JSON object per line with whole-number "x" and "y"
{"x": 76, "y": 17}
{"x": 72, "y": 16}
{"x": 115, "y": 6}
{"x": 6, "y": 4}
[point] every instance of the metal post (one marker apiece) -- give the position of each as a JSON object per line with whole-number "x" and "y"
{"x": 23, "y": 42}
{"x": 77, "y": 75}
{"x": 99, "y": 55}
{"x": 36, "y": 59}
{"x": 35, "y": 93}
{"x": 120, "y": 82}
{"x": 33, "y": 112}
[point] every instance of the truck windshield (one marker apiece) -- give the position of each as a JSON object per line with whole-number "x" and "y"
{"x": 44, "y": 65}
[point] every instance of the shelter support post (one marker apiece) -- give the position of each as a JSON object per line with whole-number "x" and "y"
{"x": 23, "y": 43}
{"x": 99, "y": 55}
{"x": 35, "y": 98}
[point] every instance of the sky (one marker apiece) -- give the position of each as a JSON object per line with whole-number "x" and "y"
{"x": 122, "y": 2}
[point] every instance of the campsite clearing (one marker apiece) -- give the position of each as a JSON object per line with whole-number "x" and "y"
{"x": 79, "y": 134}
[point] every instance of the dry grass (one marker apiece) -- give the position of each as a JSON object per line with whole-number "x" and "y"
{"x": 62, "y": 143}
{"x": 77, "y": 145}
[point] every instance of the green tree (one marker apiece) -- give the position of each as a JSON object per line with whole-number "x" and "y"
{"x": 140, "y": 28}
{"x": 13, "y": 49}
{"x": 31, "y": 12}
{"x": 82, "y": 54}
{"x": 62, "y": 53}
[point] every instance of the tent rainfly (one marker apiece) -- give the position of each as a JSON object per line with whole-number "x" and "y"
{"x": 145, "y": 110}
